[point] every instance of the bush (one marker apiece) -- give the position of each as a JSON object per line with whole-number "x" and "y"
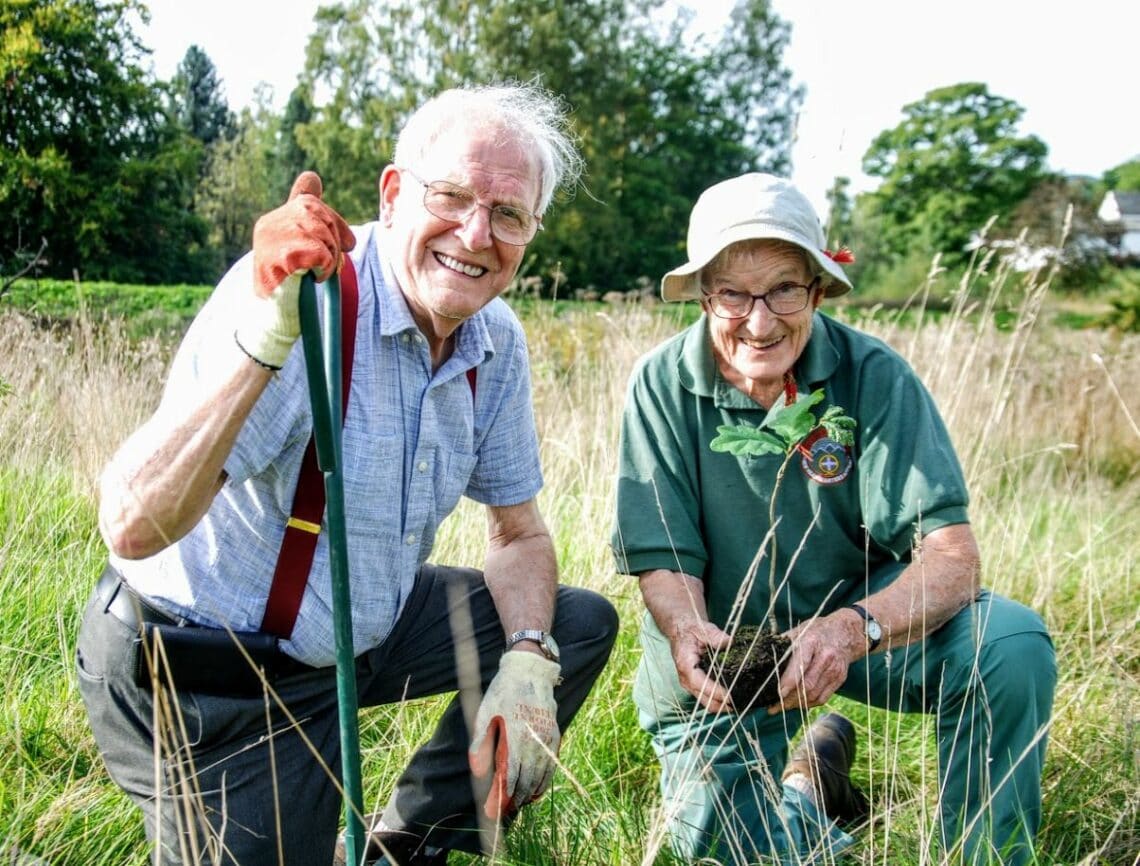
{"x": 148, "y": 309}
{"x": 1124, "y": 301}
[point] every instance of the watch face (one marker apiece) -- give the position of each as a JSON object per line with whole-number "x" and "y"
{"x": 544, "y": 640}
{"x": 874, "y": 630}
{"x": 550, "y": 646}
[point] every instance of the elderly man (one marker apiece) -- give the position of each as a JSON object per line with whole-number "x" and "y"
{"x": 781, "y": 469}
{"x": 198, "y": 504}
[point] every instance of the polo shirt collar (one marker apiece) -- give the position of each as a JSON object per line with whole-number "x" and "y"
{"x": 698, "y": 373}
{"x": 820, "y": 358}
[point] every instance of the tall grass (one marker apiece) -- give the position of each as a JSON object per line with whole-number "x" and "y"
{"x": 1045, "y": 421}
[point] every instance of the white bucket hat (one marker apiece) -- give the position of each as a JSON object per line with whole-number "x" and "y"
{"x": 751, "y": 206}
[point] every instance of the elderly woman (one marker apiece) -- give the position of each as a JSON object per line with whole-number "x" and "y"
{"x": 782, "y": 469}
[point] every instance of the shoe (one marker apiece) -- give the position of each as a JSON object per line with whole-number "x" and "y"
{"x": 403, "y": 848}
{"x": 825, "y": 755}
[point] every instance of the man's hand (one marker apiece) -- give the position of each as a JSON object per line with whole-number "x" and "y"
{"x": 677, "y": 604}
{"x": 687, "y": 639}
{"x": 516, "y": 733}
{"x": 821, "y": 654}
{"x": 302, "y": 235}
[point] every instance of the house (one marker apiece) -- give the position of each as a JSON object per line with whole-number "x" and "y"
{"x": 1120, "y": 213}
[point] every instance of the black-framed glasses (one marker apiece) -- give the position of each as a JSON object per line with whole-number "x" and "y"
{"x": 454, "y": 203}
{"x": 782, "y": 300}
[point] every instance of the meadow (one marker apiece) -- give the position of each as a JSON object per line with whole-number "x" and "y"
{"x": 1045, "y": 419}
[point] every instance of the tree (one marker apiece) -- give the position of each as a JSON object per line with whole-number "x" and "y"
{"x": 198, "y": 100}
{"x": 89, "y": 160}
{"x": 839, "y": 212}
{"x": 1124, "y": 177}
{"x": 289, "y": 158}
{"x": 236, "y": 186}
{"x": 1059, "y": 217}
{"x": 659, "y": 120}
{"x": 951, "y": 165}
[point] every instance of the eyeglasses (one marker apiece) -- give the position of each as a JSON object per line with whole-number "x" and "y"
{"x": 783, "y": 300}
{"x": 454, "y": 203}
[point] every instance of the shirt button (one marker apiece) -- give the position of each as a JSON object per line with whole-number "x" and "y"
{"x": 423, "y": 466}
{"x": 411, "y": 539}
{"x": 405, "y": 337}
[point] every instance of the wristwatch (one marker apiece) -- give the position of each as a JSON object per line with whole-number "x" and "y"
{"x": 545, "y": 641}
{"x": 871, "y": 627}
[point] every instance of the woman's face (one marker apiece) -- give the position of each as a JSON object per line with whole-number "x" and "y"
{"x": 754, "y": 351}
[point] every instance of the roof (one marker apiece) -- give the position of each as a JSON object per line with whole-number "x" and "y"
{"x": 1128, "y": 202}
{"x": 1120, "y": 208}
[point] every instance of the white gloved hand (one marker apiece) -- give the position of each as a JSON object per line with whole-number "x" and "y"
{"x": 302, "y": 235}
{"x": 268, "y": 327}
{"x": 516, "y": 733}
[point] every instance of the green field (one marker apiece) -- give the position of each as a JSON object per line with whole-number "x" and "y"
{"x": 1045, "y": 420}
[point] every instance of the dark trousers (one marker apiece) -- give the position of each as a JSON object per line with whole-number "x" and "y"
{"x": 249, "y": 780}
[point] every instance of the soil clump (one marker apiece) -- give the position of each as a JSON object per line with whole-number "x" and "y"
{"x": 750, "y": 666}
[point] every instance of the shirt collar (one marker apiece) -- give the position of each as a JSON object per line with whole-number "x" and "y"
{"x": 473, "y": 343}
{"x": 820, "y": 357}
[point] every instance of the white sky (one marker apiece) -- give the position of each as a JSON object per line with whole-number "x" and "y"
{"x": 1070, "y": 66}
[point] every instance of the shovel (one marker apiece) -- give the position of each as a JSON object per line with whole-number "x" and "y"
{"x": 322, "y": 347}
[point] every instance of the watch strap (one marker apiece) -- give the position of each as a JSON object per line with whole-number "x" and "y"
{"x": 532, "y": 634}
{"x": 872, "y": 642}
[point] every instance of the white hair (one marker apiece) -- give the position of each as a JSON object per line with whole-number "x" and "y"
{"x": 525, "y": 114}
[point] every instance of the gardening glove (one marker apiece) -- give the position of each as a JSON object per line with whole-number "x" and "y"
{"x": 516, "y": 732}
{"x": 302, "y": 235}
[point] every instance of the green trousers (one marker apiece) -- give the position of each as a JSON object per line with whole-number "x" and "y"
{"x": 987, "y": 676}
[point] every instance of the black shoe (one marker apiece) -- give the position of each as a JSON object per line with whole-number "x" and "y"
{"x": 403, "y": 848}
{"x": 825, "y": 755}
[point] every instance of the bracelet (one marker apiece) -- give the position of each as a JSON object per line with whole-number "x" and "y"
{"x": 272, "y": 368}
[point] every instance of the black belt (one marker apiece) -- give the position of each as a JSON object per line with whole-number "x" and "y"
{"x": 199, "y": 658}
{"x": 125, "y": 604}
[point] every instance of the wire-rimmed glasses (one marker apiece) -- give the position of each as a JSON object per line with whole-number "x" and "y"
{"x": 783, "y": 300}
{"x": 454, "y": 203}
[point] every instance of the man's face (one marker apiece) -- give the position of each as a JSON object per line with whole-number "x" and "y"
{"x": 447, "y": 270}
{"x": 756, "y": 350}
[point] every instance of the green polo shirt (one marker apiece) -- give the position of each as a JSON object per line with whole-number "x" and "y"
{"x": 846, "y": 519}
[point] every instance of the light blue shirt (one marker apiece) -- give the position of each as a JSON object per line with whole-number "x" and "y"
{"x": 413, "y": 444}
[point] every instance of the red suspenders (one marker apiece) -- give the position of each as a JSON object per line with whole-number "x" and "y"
{"x": 304, "y": 526}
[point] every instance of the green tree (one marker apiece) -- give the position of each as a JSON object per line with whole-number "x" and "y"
{"x": 198, "y": 99}
{"x": 952, "y": 164}
{"x": 289, "y": 158}
{"x": 89, "y": 161}
{"x": 1124, "y": 177}
{"x": 236, "y": 186}
{"x": 839, "y": 211}
{"x": 659, "y": 119}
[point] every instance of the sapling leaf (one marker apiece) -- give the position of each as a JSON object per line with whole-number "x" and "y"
{"x": 838, "y": 426}
{"x": 794, "y": 422}
{"x": 783, "y": 427}
{"x": 746, "y": 441}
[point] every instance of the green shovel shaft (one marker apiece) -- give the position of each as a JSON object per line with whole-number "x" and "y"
{"x": 322, "y": 345}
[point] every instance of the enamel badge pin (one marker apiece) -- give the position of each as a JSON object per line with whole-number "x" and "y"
{"x": 824, "y": 460}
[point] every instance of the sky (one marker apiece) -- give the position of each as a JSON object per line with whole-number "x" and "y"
{"x": 1070, "y": 66}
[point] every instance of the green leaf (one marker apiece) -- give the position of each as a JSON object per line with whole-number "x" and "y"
{"x": 838, "y": 425}
{"x": 745, "y": 441}
{"x": 794, "y": 422}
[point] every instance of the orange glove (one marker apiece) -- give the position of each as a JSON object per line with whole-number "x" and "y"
{"x": 516, "y": 732}
{"x": 302, "y": 235}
